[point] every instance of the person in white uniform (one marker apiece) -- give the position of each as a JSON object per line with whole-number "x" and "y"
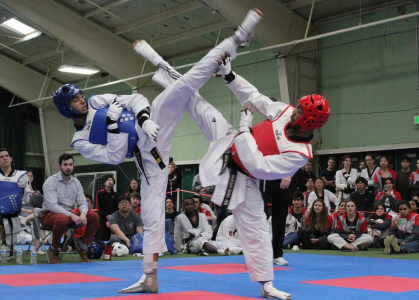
{"x": 277, "y": 148}
{"x": 194, "y": 232}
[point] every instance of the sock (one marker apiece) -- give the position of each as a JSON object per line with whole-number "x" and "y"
{"x": 220, "y": 252}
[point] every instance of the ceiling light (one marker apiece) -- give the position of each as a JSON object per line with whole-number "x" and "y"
{"x": 78, "y": 70}
{"x": 18, "y": 26}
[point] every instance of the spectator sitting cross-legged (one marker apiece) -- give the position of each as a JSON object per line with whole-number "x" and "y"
{"x": 352, "y": 230}
{"x": 405, "y": 232}
{"x": 61, "y": 192}
{"x": 389, "y": 197}
{"x": 382, "y": 174}
{"x": 124, "y": 223}
{"x": 135, "y": 202}
{"x": 171, "y": 214}
{"x": 316, "y": 228}
{"x": 379, "y": 223}
{"x": 134, "y": 186}
{"x": 106, "y": 205}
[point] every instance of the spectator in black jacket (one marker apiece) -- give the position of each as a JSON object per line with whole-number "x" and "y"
{"x": 106, "y": 205}
{"x": 378, "y": 225}
{"x": 363, "y": 199}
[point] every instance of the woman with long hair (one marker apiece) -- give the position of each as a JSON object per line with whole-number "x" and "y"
{"x": 352, "y": 230}
{"x": 316, "y": 228}
{"x": 341, "y": 209}
{"x": 345, "y": 178}
{"x": 134, "y": 186}
{"x": 321, "y": 193}
{"x": 382, "y": 174}
{"x": 414, "y": 205}
{"x": 379, "y": 223}
{"x": 369, "y": 172}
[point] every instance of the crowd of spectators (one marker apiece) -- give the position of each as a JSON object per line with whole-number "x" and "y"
{"x": 346, "y": 209}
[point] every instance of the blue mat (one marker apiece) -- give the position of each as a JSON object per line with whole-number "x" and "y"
{"x": 303, "y": 267}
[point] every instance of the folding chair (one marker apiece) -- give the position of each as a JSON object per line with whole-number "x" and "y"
{"x": 36, "y": 202}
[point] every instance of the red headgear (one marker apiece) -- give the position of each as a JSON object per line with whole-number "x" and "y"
{"x": 316, "y": 112}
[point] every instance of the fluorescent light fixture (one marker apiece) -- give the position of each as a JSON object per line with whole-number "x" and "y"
{"x": 18, "y": 26}
{"x": 30, "y": 36}
{"x": 78, "y": 70}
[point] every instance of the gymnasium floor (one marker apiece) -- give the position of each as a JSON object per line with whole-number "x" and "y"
{"x": 309, "y": 276}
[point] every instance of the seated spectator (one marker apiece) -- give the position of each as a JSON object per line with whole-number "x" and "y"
{"x": 79, "y": 232}
{"x": 382, "y": 174}
{"x": 414, "y": 181}
{"x": 203, "y": 191}
{"x": 228, "y": 235}
{"x": 124, "y": 223}
{"x": 193, "y": 233}
{"x": 291, "y": 235}
{"x": 405, "y": 232}
{"x": 316, "y": 228}
{"x": 203, "y": 208}
{"x": 321, "y": 193}
{"x": 363, "y": 199}
{"x": 403, "y": 178}
{"x": 106, "y": 205}
{"x": 414, "y": 206}
{"x": 379, "y": 223}
{"x": 171, "y": 215}
{"x": 310, "y": 188}
{"x": 341, "y": 210}
{"x": 369, "y": 172}
{"x": 135, "y": 202}
{"x": 61, "y": 192}
{"x": 134, "y": 186}
{"x": 390, "y": 197}
{"x": 297, "y": 210}
{"x": 352, "y": 230}
{"x": 345, "y": 178}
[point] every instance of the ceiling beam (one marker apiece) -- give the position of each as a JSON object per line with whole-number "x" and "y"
{"x": 170, "y": 13}
{"x": 295, "y": 4}
{"x": 190, "y": 34}
{"x": 41, "y": 56}
{"x": 107, "y": 51}
{"x": 104, "y": 8}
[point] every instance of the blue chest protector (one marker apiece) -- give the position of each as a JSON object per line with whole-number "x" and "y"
{"x": 95, "y": 130}
{"x": 11, "y": 194}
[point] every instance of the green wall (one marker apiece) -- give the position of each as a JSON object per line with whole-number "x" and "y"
{"x": 370, "y": 81}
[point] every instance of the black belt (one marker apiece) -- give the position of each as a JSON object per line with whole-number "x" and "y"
{"x": 232, "y": 166}
{"x": 139, "y": 162}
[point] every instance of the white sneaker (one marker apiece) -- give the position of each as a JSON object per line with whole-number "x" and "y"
{"x": 280, "y": 261}
{"x": 147, "y": 284}
{"x": 245, "y": 31}
{"x": 295, "y": 248}
{"x": 269, "y": 291}
{"x": 146, "y": 51}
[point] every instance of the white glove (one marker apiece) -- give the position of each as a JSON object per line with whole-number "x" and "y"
{"x": 225, "y": 66}
{"x": 114, "y": 111}
{"x": 151, "y": 129}
{"x": 246, "y": 118}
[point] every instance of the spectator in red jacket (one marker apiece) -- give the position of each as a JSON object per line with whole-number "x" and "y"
{"x": 382, "y": 174}
{"x": 389, "y": 183}
{"x": 336, "y": 215}
{"x": 414, "y": 206}
{"x": 352, "y": 230}
{"x": 316, "y": 228}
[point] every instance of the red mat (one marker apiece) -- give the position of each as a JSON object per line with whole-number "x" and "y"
{"x": 217, "y": 269}
{"x": 177, "y": 296}
{"x": 373, "y": 283}
{"x": 51, "y": 278}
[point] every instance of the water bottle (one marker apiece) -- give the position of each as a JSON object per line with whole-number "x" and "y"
{"x": 33, "y": 257}
{"x": 19, "y": 256}
{"x": 3, "y": 254}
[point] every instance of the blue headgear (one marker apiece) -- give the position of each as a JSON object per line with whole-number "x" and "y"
{"x": 62, "y": 98}
{"x": 94, "y": 251}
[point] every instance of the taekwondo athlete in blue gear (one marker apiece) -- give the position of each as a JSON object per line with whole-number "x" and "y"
{"x": 15, "y": 188}
{"x": 106, "y": 127}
